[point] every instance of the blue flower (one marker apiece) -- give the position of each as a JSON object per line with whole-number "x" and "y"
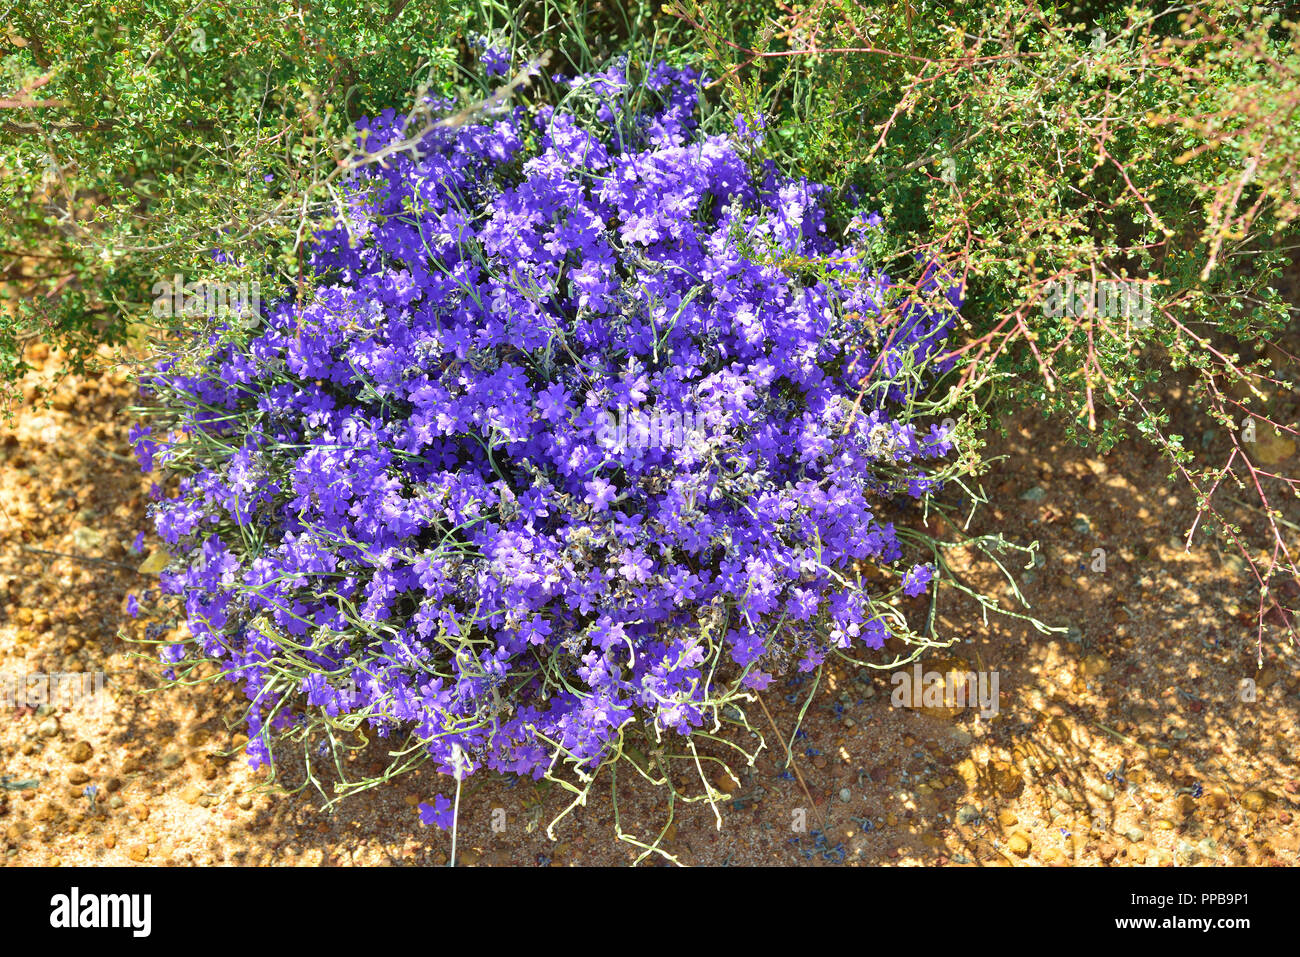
{"x": 439, "y": 814}
{"x": 917, "y": 580}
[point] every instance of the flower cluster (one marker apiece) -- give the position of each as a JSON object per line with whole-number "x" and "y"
{"x": 396, "y": 502}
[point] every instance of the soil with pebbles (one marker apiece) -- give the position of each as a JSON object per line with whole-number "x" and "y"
{"x": 1127, "y": 739}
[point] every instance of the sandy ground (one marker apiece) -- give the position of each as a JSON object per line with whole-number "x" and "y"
{"x": 1127, "y": 740}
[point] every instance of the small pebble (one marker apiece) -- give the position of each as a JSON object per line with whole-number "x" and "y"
{"x": 81, "y": 752}
{"x": 1255, "y": 801}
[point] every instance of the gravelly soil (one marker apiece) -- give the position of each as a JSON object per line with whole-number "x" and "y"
{"x": 1124, "y": 741}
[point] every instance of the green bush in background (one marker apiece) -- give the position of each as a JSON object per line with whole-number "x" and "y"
{"x": 157, "y": 129}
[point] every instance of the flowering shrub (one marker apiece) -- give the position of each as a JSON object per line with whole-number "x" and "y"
{"x": 400, "y": 504}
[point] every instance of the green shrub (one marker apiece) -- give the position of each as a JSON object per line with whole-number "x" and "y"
{"x": 140, "y": 132}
